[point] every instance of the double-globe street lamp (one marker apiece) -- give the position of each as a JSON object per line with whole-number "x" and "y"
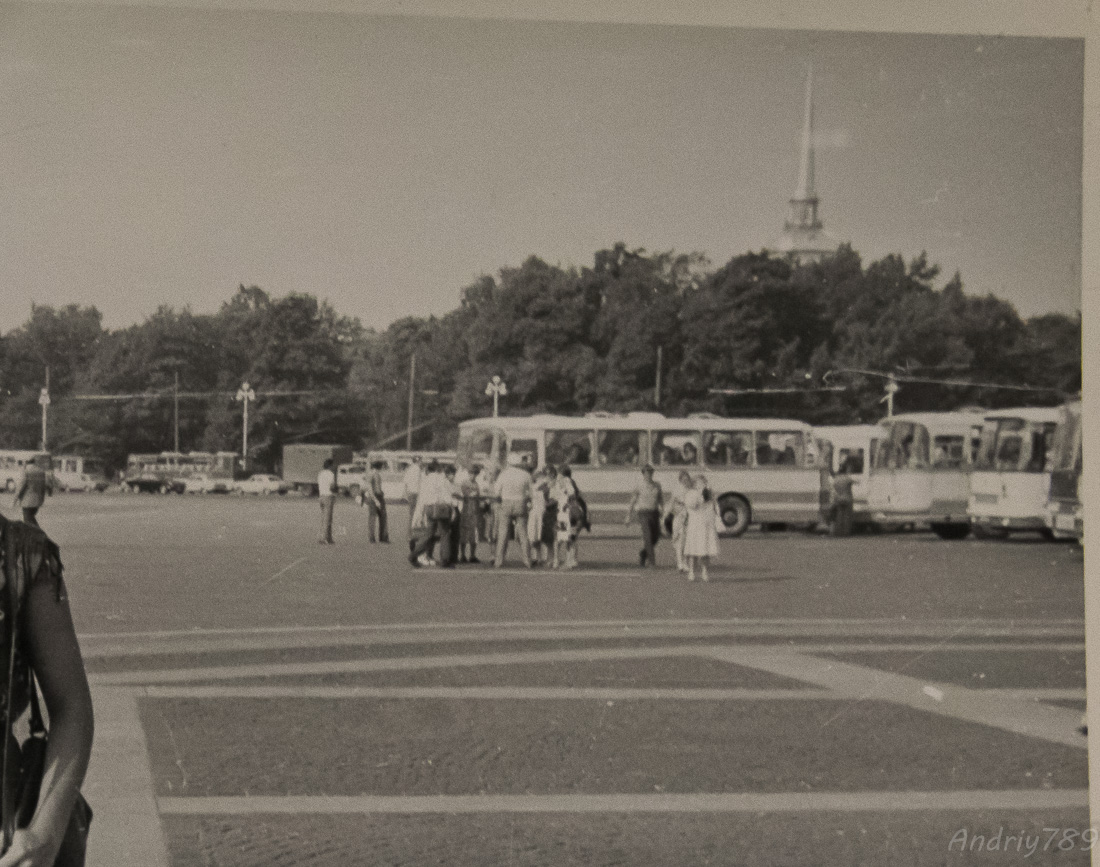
{"x": 245, "y": 394}
{"x": 497, "y": 389}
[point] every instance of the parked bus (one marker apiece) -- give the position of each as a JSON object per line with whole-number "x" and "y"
{"x": 1065, "y": 511}
{"x": 1010, "y": 483}
{"x": 78, "y": 473}
{"x": 167, "y": 471}
{"x": 920, "y": 471}
{"x": 761, "y": 470}
{"x": 852, "y": 446}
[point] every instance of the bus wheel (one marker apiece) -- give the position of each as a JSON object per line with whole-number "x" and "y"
{"x": 736, "y": 514}
{"x": 951, "y": 532}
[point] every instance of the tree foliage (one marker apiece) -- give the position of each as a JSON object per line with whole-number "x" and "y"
{"x": 565, "y": 340}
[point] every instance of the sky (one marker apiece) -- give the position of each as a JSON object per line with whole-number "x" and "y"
{"x": 163, "y": 156}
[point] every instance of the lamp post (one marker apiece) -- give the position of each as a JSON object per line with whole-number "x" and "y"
{"x": 497, "y": 389}
{"x": 892, "y": 388}
{"x": 245, "y": 394}
{"x": 44, "y": 400}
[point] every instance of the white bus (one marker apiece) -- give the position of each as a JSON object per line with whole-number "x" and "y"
{"x": 920, "y": 471}
{"x": 12, "y": 462}
{"x": 761, "y": 470}
{"x": 852, "y": 446}
{"x": 1065, "y": 511}
{"x": 1010, "y": 483}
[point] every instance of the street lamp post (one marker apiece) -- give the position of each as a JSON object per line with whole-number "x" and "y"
{"x": 497, "y": 389}
{"x": 892, "y": 388}
{"x": 44, "y": 400}
{"x": 245, "y": 394}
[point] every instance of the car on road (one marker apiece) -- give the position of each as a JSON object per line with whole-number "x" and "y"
{"x": 261, "y": 483}
{"x": 204, "y": 484}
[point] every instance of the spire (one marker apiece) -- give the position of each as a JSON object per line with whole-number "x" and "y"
{"x": 804, "y": 237}
{"x": 805, "y": 188}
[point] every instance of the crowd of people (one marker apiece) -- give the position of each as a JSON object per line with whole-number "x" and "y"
{"x": 453, "y": 511}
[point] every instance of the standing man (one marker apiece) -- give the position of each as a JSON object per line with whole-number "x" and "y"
{"x": 376, "y": 504}
{"x": 513, "y": 488}
{"x": 326, "y": 491}
{"x": 646, "y": 503}
{"x": 412, "y": 491}
{"x": 33, "y": 487}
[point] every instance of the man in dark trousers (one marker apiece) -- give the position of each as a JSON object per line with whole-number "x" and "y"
{"x": 646, "y": 504}
{"x": 376, "y": 504}
{"x": 33, "y": 487}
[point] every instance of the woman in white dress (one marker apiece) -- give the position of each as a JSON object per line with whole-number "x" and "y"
{"x": 700, "y": 530}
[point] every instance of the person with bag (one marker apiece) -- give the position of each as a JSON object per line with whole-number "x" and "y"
{"x": 701, "y": 528}
{"x": 435, "y": 513}
{"x": 44, "y": 817}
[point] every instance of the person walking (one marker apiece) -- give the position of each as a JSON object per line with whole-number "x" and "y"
{"x": 701, "y": 529}
{"x": 33, "y": 488}
{"x": 326, "y": 492}
{"x": 376, "y": 504}
{"x": 513, "y": 489}
{"x": 411, "y": 480}
{"x": 646, "y": 504}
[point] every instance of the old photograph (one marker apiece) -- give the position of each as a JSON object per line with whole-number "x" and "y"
{"x": 514, "y": 435}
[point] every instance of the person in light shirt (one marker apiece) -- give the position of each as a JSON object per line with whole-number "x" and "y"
{"x": 411, "y": 481}
{"x": 326, "y": 492}
{"x": 513, "y": 489}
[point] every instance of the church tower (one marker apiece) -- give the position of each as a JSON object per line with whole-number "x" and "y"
{"x": 804, "y": 237}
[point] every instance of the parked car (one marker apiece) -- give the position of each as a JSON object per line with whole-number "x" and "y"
{"x": 204, "y": 484}
{"x": 261, "y": 483}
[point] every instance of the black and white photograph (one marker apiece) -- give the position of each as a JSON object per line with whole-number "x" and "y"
{"x": 499, "y": 434}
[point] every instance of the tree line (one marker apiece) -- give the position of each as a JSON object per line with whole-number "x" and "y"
{"x": 565, "y": 339}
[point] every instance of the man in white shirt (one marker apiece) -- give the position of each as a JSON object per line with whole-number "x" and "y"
{"x": 513, "y": 487}
{"x": 412, "y": 480}
{"x": 326, "y": 491}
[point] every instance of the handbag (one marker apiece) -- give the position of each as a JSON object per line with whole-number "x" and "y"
{"x": 438, "y": 512}
{"x": 21, "y": 790}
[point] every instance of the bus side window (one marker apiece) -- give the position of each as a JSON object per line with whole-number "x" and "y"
{"x": 779, "y": 448}
{"x": 528, "y": 448}
{"x": 727, "y": 448}
{"x": 675, "y": 448}
{"x": 620, "y": 448}
{"x": 573, "y": 447}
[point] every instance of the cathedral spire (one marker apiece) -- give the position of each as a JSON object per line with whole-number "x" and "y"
{"x": 804, "y": 237}
{"x": 805, "y": 188}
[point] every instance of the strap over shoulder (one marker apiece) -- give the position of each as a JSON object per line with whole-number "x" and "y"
{"x": 31, "y": 551}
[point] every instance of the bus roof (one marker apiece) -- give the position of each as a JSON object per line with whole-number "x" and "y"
{"x": 851, "y": 431}
{"x": 632, "y": 421}
{"x": 1039, "y": 414}
{"x": 940, "y": 422}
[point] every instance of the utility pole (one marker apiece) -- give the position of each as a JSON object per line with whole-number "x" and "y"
{"x": 657, "y": 387}
{"x": 412, "y": 393}
{"x": 44, "y": 400}
{"x": 176, "y": 413}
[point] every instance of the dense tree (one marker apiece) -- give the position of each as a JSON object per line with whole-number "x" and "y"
{"x": 565, "y": 340}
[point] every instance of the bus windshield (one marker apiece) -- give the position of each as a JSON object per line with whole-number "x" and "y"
{"x": 1067, "y": 443}
{"x": 479, "y": 445}
{"x": 906, "y": 446}
{"x": 1015, "y": 445}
